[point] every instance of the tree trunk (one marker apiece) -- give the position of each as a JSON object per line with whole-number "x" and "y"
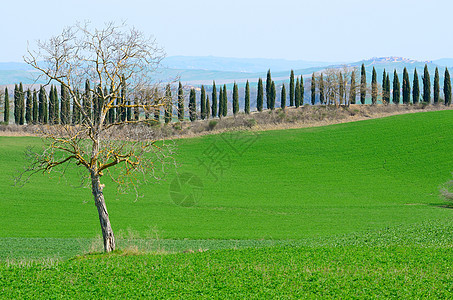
{"x": 107, "y": 232}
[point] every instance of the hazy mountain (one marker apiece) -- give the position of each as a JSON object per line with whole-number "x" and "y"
{"x": 444, "y": 62}
{"x": 247, "y": 65}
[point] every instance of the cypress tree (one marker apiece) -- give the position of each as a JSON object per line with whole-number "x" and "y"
{"x": 247, "y": 98}
{"x": 273, "y": 95}
{"x": 374, "y": 88}
{"x": 396, "y": 88}
{"x": 21, "y": 104}
{"x": 416, "y": 88}
{"x": 321, "y": 89}
{"x": 406, "y": 87}
{"x": 341, "y": 88}
{"x": 180, "y": 102}
{"x": 297, "y": 93}
{"x": 76, "y": 110}
{"x": 426, "y": 86}
{"x": 203, "y": 103}
{"x": 112, "y": 100}
{"x": 268, "y": 88}
{"x": 302, "y": 90}
{"x": 40, "y": 106}
{"x": 137, "y": 109}
{"x": 123, "y": 110}
{"x": 291, "y": 89}
{"x": 352, "y": 90}
{"x": 388, "y": 87}
{"x": 192, "y": 105}
{"x": 29, "y": 107}
{"x": 16, "y": 105}
{"x": 235, "y": 99}
{"x": 447, "y": 87}
{"x": 87, "y": 100}
{"x": 214, "y": 100}
{"x": 168, "y": 105}
{"x": 436, "y": 87}
{"x": 313, "y": 89}
{"x": 63, "y": 106}
{"x": 208, "y": 107}
{"x": 156, "y": 106}
{"x": 363, "y": 85}
{"x": 259, "y": 97}
{"x": 225, "y": 101}
{"x": 56, "y": 106}
{"x": 283, "y": 97}
{"x": 220, "y": 112}
{"x": 35, "y": 108}
{"x": 6, "y": 110}
{"x": 51, "y": 104}
{"x": 384, "y": 87}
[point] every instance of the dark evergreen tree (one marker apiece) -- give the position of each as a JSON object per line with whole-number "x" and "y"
{"x": 396, "y": 88}
{"x": 297, "y": 93}
{"x": 374, "y": 87}
{"x": 273, "y": 96}
{"x": 192, "y": 105}
{"x": 406, "y": 87}
{"x": 214, "y": 100}
{"x": 87, "y": 99}
{"x": 416, "y": 88}
{"x": 51, "y": 105}
{"x": 6, "y": 110}
{"x": 352, "y": 89}
{"x": 112, "y": 100}
{"x": 283, "y": 97}
{"x": 21, "y": 104}
{"x": 180, "y": 102}
{"x": 28, "y": 107}
{"x": 225, "y": 101}
{"x": 123, "y": 109}
{"x": 384, "y": 88}
{"x": 247, "y": 98}
{"x": 268, "y": 88}
{"x": 363, "y": 85}
{"x": 291, "y": 89}
{"x": 16, "y": 105}
{"x": 302, "y": 90}
{"x": 77, "y": 112}
{"x": 436, "y": 87}
{"x": 35, "y": 108}
{"x": 426, "y": 86}
{"x": 42, "y": 111}
{"x": 64, "y": 115}
{"x": 259, "y": 97}
{"x": 56, "y": 106}
{"x": 203, "y": 103}
{"x": 388, "y": 87}
{"x": 321, "y": 89}
{"x": 313, "y": 89}
{"x": 341, "y": 88}
{"x": 168, "y": 105}
{"x": 156, "y": 105}
{"x": 447, "y": 87}
{"x": 208, "y": 107}
{"x": 235, "y": 99}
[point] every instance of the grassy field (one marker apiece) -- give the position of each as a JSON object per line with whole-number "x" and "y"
{"x": 350, "y": 209}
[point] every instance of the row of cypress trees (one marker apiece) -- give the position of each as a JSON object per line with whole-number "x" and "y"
{"x": 33, "y": 107}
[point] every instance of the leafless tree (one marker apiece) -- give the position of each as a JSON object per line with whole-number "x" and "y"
{"x": 115, "y": 59}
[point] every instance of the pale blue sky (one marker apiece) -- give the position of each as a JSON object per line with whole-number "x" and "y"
{"x": 319, "y": 30}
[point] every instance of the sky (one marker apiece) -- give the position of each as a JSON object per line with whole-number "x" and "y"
{"x": 316, "y": 30}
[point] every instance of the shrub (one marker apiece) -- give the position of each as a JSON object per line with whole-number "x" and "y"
{"x": 212, "y": 124}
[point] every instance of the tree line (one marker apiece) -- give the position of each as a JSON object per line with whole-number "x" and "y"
{"x": 330, "y": 87}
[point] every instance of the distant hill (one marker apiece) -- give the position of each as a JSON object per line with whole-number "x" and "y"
{"x": 192, "y": 70}
{"x": 246, "y": 65}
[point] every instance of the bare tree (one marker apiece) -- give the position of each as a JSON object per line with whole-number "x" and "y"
{"x": 117, "y": 60}
{"x": 337, "y": 84}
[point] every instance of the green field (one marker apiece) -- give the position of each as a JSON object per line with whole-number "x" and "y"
{"x": 343, "y": 208}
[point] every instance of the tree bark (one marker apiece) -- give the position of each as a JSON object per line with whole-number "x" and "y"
{"x": 107, "y": 232}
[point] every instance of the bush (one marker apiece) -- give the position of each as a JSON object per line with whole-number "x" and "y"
{"x": 212, "y": 124}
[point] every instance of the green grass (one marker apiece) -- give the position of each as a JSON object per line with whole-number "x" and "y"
{"x": 343, "y": 211}
{"x": 289, "y": 184}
